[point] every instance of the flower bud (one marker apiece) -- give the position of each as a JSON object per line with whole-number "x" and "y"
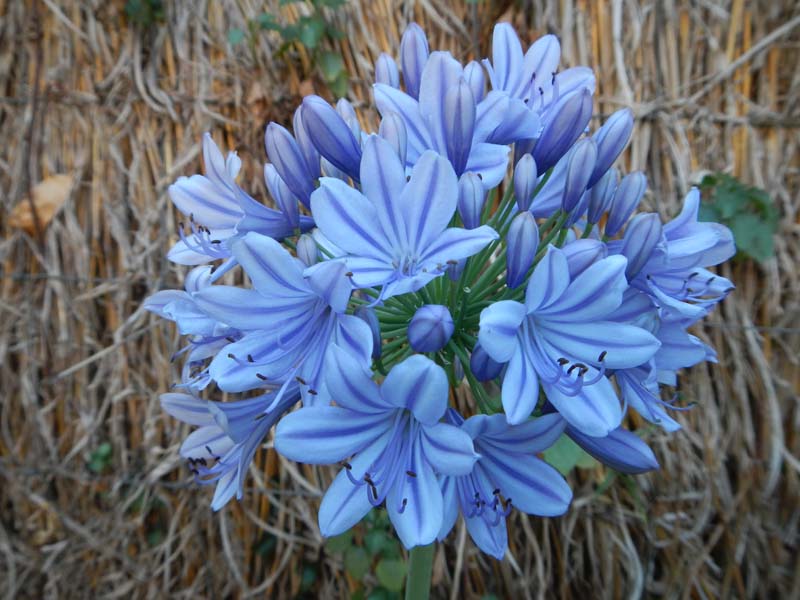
{"x": 601, "y": 194}
{"x": 611, "y": 139}
{"x": 582, "y": 254}
{"x": 627, "y": 196}
{"x": 289, "y": 162}
{"x": 331, "y": 135}
{"x": 367, "y": 314}
{"x": 414, "y": 54}
{"x": 431, "y": 328}
{"x": 393, "y": 130}
{"x": 483, "y": 366}
{"x": 476, "y": 79}
{"x": 523, "y": 241}
{"x": 570, "y": 116}
{"x": 525, "y": 177}
{"x": 579, "y": 169}
{"x": 386, "y": 71}
{"x": 459, "y": 124}
{"x": 307, "y": 250}
{"x": 348, "y": 113}
{"x": 621, "y": 450}
{"x": 454, "y": 271}
{"x": 282, "y": 195}
{"x": 642, "y": 235}
{"x": 305, "y": 144}
{"x": 471, "y": 199}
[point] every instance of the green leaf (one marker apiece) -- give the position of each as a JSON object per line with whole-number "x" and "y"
{"x": 331, "y": 65}
{"x": 565, "y": 455}
{"x": 235, "y": 36}
{"x": 356, "y": 562}
{"x": 753, "y": 236}
{"x": 341, "y": 542}
{"x": 375, "y": 541}
{"x": 391, "y": 574}
{"x": 311, "y": 31}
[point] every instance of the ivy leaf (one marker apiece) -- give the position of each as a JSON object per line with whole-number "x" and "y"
{"x": 340, "y": 542}
{"x": 311, "y": 31}
{"x": 391, "y": 574}
{"x": 753, "y": 236}
{"x": 356, "y": 562}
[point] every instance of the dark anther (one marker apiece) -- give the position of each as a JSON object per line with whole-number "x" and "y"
{"x": 261, "y": 376}
{"x": 710, "y": 279}
{"x": 312, "y": 392}
{"x": 259, "y": 417}
{"x": 480, "y": 176}
{"x": 191, "y": 217}
{"x": 347, "y": 465}
{"x": 250, "y": 358}
{"x": 496, "y": 492}
{"x": 231, "y": 356}
{"x": 602, "y": 356}
{"x": 525, "y": 100}
{"x": 404, "y": 502}
{"x": 563, "y": 361}
{"x": 695, "y": 274}
{"x": 348, "y": 274}
{"x": 541, "y": 92}
{"x": 408, "y": 178}
{"x": 300, "y": 380}
{"x": 202, "y": 461}
{"x": 367, "y": 477}
{"x": 452, "y": 262}
{"x": 230, "y": 339}
{"x": 216, "y": 241}
{"x": 411, "y": 473}
{"x": 553, "y": 79}
{"x": 580, "y": 366}
{"x": 477, "y": 495}
{"x": 213, "y": 268}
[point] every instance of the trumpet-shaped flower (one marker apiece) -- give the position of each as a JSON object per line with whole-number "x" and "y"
{"x": 560, "y": 338}
{"x": 507, "y": 475}
{"x": 395, "y": 234}
{"x": 392, "y": 439}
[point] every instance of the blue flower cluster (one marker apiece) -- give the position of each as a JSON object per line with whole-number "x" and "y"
{"x": 443, "y": 299}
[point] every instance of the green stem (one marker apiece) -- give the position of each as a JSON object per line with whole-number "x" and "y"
{"x": 420, "y": 569}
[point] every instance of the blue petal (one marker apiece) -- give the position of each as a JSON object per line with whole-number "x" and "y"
{"x": 549, "y": 280}
{"x": 273, "y": 271}
{"x": 532, "y": 486}
{"x": 323, "y": 435}
{"x": 331, "y": 135}
{"x": 542, "y": 58}
{"x": 459, "y": 124}
{"x": 450, "y": 503}
{"x": 429, "y": 200}
{"x": 441, "y": 73}
{"x": 348, "y": 219}
{"x": 506, "y": 59}
{"x": 490, "y": 114}
{"x": 419, "y": 385}
{"x": 489, "y": 537}
{"x": 531, "y": 437}
{"x": 595, "y": 410}
{"x": 187, "y": 408}
{"x": 455, "y": 243}
{"x": 491, "y": 161}
{"x": 247, "y": 309}
{"x": 520, "y": 391}
{"x": 207, "y": 442}
{"x": 226, "y": 488}
{"x": 448, "y": 449}
{"x": 209, "y": 204}
{"x": 383, "y": 178}
{"x": 354, "y": 336}
{"x": 621, "y": 450}
{"x": 421, "y": 519}
{"x": 369, "y": 272}
{"x": 329, "y": 280}
{"x": 350, "y": 385}
{"x": 344, "y": 505}
{"x": 499, "y": 325}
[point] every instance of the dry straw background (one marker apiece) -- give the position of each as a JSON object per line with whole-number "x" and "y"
{"x": 119, "y": 110}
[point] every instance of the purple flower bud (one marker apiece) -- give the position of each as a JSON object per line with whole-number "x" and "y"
{"x": 305, "y": 144}
{"x": 307, "y": 250}
{"x": 282, "y": 195}
{"x": 581, "y": 254}
{"x": 348, "y": 113}
{"x": 627, "y": 196}
{"x": 611, "y": 139}
{"x": 621, "y": 450}
{"x": 483, "y": 366}
{"x": 476, "y": 78}
{"x": 393, "y": 130}
{"x": 331, "y": 135}
{"x": 289, "y": 162}
{"x": 570, "y": 117}
{"x": 523, "y": 241}
{"x": 459, "y": 124}
{"x": 525, "y": 176}
{"x": 471, "y": 199}
{"x": 414, "y": 54}
{"x": 601, "y": 194}
{"x": 458, "y": 369}
{"x": 454, "y": 271}
{"x": 579, "y": 169}
{"x": 430, "y": 328}
{"x": 386, "y": 71}
{"x": 642, "y": 235}
{"x": 367, "y": 314}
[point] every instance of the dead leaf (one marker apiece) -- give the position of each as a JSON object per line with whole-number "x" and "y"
{"x": 48, "y": 198}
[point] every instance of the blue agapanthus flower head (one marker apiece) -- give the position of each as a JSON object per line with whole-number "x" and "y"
{"x": 413, "y": 306}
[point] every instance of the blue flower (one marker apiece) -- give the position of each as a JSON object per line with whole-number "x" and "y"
{"x": 448, "y": 119}
{"x": 621, "y": 450}
{"x": 393, "y": 439}
{"x": 395, "y": 233}
{"x": 219, "y": 210}
{"x": 288, "y": 322}
{"x": 221, "y": 449}
{"x": 507, "y": 475}
{"x": 560, "y": 338}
